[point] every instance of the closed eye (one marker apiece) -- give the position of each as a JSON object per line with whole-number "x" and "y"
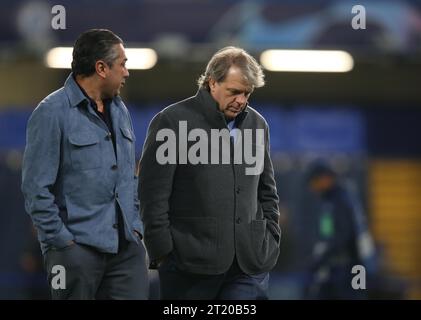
{"x": 237, "y": 92}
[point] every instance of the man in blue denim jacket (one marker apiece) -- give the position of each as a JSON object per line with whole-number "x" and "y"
{"x": 79, "y": 182}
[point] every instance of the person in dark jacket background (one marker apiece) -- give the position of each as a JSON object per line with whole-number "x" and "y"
{"x": 340, "y": 238}
{"x": 207, "y": 190}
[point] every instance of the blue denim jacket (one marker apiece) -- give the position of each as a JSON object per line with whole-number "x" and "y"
{"x": 71, "y": 179}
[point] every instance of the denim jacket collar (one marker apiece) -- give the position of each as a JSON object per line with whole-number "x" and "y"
{"x": 76, "y": 96}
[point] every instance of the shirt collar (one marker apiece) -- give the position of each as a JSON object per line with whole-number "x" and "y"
{"x": 73, "y": 91}
{"x": 77, "y": 94}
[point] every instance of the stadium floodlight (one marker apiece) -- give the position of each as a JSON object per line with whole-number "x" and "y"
{"x": 137, "y": 58}
{"x": 307, "y": 60}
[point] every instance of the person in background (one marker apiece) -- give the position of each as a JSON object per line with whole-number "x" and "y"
{"x": 342, "y": 238}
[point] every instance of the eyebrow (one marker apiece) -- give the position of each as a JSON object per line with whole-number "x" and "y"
{"x": 237, "y": 91}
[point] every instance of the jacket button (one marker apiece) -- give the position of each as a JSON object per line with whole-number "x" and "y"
{"x": 114, "y": 167}
{"x": 238, "y": 220}
{"x": 115, "y": 225}
{"x": 116, "y": 194}
{"x": 238, "y": 190}
{"x": 108, "y": 137}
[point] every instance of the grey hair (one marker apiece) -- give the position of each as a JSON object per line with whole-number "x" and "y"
{"x": 222, "y": 60}
{"x": 111, "y": 56}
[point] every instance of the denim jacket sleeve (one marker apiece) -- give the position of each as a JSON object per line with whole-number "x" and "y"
{"x": 41, "y": 162}
{"x": 137, "y": 223}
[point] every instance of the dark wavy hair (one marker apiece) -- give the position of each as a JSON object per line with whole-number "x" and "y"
{"x": 91, "y": 46}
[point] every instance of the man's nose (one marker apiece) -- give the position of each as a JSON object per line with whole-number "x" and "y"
{"x": 126, "y": 74}
{"x": 241, "y": 99}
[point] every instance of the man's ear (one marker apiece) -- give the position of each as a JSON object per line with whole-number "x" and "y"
{"x": 101, "y": 68}
{"x": 212, "y": 83}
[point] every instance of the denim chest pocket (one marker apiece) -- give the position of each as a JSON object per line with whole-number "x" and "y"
{"x": 128, "y": 142}
{"x": 84, "y": 150}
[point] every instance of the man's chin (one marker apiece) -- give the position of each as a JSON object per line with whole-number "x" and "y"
{"x": 232, "y": 114}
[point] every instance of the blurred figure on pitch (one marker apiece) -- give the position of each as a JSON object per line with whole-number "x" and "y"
{"x": 340, "y": 238}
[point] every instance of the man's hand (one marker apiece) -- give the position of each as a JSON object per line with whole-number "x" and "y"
{"x": 157, "y": 262}
{"x": 138, "y": 234}
{"x": 68, "y": 244}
